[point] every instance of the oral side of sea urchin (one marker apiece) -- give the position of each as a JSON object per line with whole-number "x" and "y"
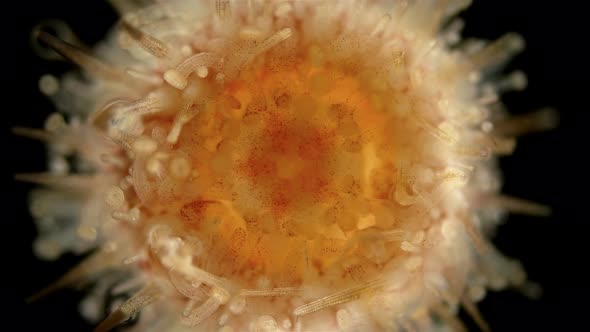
{"x": 283, "y": 165}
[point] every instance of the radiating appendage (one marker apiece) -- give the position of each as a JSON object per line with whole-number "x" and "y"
{"x": 81, "y": 58}
{"x": 517, "y": 205}
{"x": 73, "y": 182}
{"x": 151, "y": 44}
{"x": 61, "y": 30}
{"x": 33, "y": 133}
{"x": 347, "y": 295}
{"x": 541, "y": 120}
{"x": 93, "y": 264}
{"x": 473, "y": 311}
{"x": 130, "y": 307}
{"x": 497, "y": 52}
{"x": 217, "y": 298}
{"x": 201, "y": 61}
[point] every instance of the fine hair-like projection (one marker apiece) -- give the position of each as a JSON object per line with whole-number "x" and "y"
{"x": 272, "y": 165}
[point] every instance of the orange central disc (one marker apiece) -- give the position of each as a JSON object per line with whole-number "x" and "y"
{"x": 285, "y": 174}
{"x": 290, "y": 164}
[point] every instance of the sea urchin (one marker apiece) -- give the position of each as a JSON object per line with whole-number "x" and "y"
{"x": 270, "y": 165}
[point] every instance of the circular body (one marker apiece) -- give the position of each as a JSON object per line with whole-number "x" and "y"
{"x": 284, "y": 165}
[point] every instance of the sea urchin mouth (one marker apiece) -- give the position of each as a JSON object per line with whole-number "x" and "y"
{"x": 321, "y": 162}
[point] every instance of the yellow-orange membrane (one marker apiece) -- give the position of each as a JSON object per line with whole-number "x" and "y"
{"x": 293, "y": 162}
{"x": 285, "y": 165}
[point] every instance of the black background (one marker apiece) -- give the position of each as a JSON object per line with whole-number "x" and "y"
{"x": 547, "y": 167}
